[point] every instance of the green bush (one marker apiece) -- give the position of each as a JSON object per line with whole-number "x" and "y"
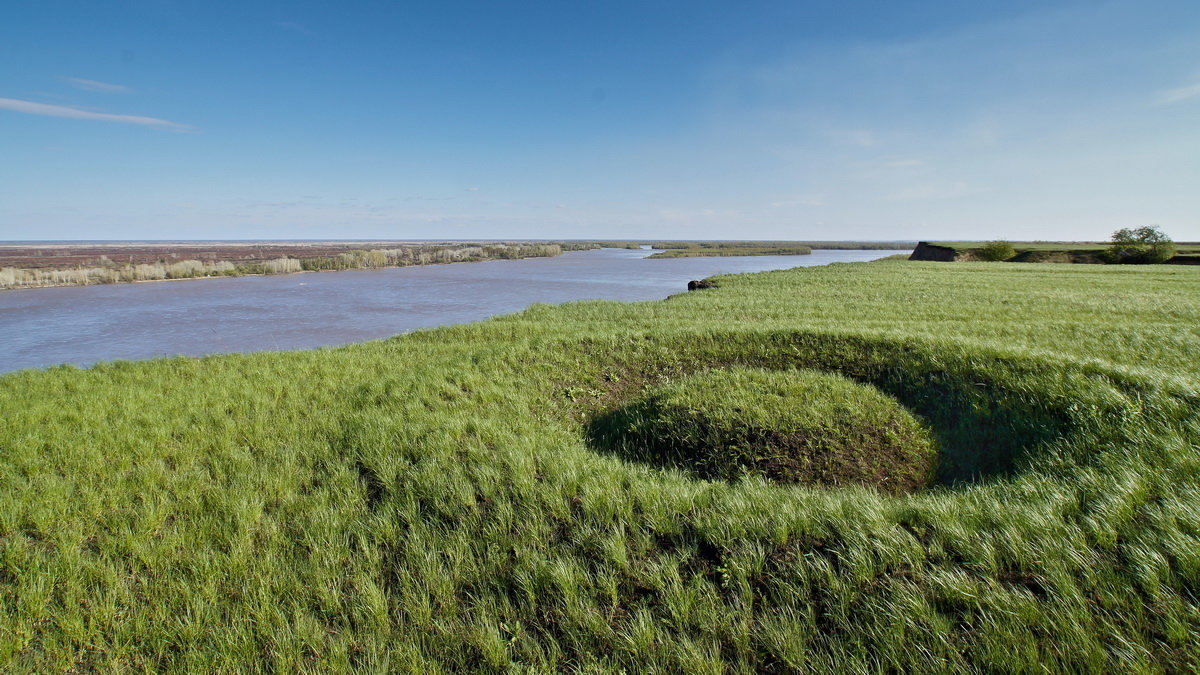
{"x": 996, "y": 251}
{"x": 1143, "y": 245}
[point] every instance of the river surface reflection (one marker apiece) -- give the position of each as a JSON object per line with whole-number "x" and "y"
{"x": 86, "y": 324}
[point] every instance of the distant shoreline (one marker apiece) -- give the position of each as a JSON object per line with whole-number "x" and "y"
{"x": 252, "y": 274}
{"x": 59, "y": 266}
{"x": 720, "y": 251}
{"x": 29, "y": 265}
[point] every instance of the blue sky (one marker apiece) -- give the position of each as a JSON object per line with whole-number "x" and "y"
{"x": 772, "y": 120}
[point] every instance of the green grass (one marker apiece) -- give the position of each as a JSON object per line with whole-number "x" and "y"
{"x": 793, "y": 426}
{"x": 432, "y": 502}
{"x": 1183, "y": 247}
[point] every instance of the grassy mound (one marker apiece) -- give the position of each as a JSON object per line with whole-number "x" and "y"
{"x": 798, "y": 426}
{"x": 432, "y": 503}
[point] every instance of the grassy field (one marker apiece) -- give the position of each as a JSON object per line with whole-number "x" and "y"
{"x": 438, "y": 502}
{"x": 1062, "y": 251}
{"x": 1182, "y": 247}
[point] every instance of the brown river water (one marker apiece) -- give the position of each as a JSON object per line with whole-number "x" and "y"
{"x": 87, "y": 324}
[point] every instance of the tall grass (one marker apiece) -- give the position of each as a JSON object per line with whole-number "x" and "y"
{"x": 431, "y": 502}
{"x": 428, "y": 255}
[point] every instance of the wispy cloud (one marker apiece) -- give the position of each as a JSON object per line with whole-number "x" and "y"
{"x": 888, "y": 163}
{"x": 799, "y": 201}
{"x": 862, "y": 138}
{"x": 901, "y": 163}
{"x": 294, "y": 27}
{"x": 1179, "y": 94}
{"x": 93, "y": 85}
{"x": 931, "y": 191}
{"x": 75, "y": 113}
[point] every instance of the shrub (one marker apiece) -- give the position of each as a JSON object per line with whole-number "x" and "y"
{"x": 996, "y": 251}
{"x": 1143, "y": 245}
{"x": 185, "y": 269}
{"x": 281, "y": 266}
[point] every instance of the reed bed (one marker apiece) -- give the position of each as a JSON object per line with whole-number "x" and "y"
{"x": 111, "y": 273}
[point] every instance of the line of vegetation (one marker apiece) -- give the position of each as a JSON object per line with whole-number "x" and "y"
{"x": 828, "y": 245}
{"x": 698, "y": 244}
{"x": 618, "y": 244}
{"x": 735, "y": 250}
{"x": 435, "y": 502}
{"x": 1142, "y": 245}
{"x": 430, "y": 255}
{"x": 107, "y": 272}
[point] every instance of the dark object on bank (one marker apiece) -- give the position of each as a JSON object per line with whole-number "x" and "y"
{"x": 696, "y": 285}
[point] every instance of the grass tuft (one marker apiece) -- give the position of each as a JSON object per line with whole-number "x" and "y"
{"x": 798, "y": 426}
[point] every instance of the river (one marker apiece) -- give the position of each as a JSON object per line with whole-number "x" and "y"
{"x": 86, "y": 324}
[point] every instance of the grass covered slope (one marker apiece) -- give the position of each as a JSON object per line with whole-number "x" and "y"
{"x": 433, "y": 501}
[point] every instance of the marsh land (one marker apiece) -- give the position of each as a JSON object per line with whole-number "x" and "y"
{"x": 41, "y": 264}
{"x": 450, "y": 500}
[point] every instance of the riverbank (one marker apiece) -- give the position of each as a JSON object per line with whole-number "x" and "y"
{"x": 86, "y": 324}
{"x": 57, "y": 264}
{"x": 693, "y": 249}
{"x": 697, "y": 251}
{"x": 65, "y": 265}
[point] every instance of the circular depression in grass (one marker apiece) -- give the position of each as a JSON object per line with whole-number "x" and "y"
{"x": 792, "y": 426}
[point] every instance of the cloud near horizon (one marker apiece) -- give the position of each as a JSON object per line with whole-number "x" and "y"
{"x": 95, "y": 85}
{"x": 1179, "y": 94}
{"x": 48, "y": 110}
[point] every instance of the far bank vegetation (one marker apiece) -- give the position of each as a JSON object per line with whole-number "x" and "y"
{"x": 1142, "y": 245}
{"x": 735, "y": 250}
{"x": 694, "y": 249}
{"x": 105, "y": 271}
